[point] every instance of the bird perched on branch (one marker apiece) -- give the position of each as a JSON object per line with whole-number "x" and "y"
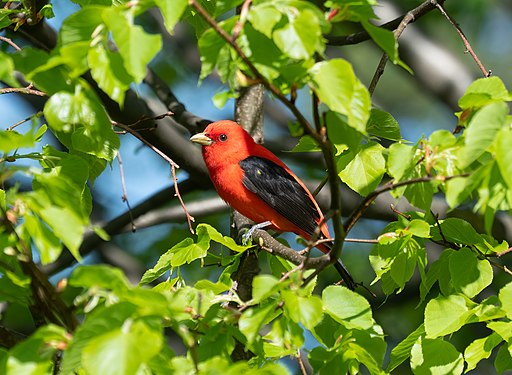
{"x": 256, "y": 183}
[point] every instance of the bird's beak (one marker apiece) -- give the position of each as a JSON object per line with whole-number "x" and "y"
{"x": 202, "y": 139}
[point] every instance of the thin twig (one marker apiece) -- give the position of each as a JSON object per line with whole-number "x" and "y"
{"x": 10, "y": 42}
{"x": 124, "y": 197}
{"x": 148, "y": 118}
{"x": 485, "y": 72}
{"x": 190, "y": 218}
{"x": 399, "y": 213}
{"x": 436, "y": 218}
{"x": 22, "y": 90}
{"x": 38, "y": 114}
{"x": 360, "y": 240}
{"x": 173, "y": 165}
{"x": 356, "y": 215}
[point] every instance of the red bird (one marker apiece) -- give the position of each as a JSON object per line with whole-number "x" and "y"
{"x": 256, "y": 183}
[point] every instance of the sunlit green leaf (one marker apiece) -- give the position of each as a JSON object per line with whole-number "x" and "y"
{"x": 445, "y": 315}
{"x": 506, "y": 299}
{"x": 435, "y": 356}
{"x": 112, "y": 352}
{"x": 484, "y": 91}
{"x": 482, "y": 131}
{"x": 108, "y": 71}
{"x": 347, "y": 307}
{"x": 136, "y": 47}
{"x": 480, "y": 349}
{"x": 402, "y": 351}
{"x": 300, "y": 37}
{"x": 469, "y": 274}
{"x": 338, "y": 87}
{"x": 171, "y": 11}
{"x": 365, "y": 171}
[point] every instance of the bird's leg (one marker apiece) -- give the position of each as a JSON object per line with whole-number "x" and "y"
{"x": 248, "y": 235}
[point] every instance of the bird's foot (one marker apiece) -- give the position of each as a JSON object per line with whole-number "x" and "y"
{"x": 247, "y": 236}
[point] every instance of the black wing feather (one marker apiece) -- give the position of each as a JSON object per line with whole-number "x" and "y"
{"x": 274, "y": 185}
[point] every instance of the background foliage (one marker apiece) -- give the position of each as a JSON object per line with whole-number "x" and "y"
{"x": 437, "y": 295}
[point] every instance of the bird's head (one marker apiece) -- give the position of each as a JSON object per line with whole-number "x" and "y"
{"x": 224, "y": 137}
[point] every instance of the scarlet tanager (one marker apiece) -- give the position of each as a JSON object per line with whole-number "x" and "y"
{"x": 256, "y": 183}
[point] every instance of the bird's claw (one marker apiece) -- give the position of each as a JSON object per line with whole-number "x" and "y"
{"x": 248, "y": 235}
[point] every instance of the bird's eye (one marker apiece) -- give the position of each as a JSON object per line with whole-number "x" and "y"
{"x": 223, "y": 137}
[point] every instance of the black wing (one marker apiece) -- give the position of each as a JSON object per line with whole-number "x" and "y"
{"x": 274, "y": 185}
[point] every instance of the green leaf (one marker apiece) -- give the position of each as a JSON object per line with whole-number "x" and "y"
{"x": 254, "y": 318}
{"x": 480, "y": 349}
{"x": 503, "y": 361}
{"x": 338, "y": 87}
{"x": 482, "y": 131}
{"x": 82, "y": 116}
{"x": 306, "y": 144}
{"x": 185, "y": 251}
{"x": 403, "y": 350}
{"x": 419, "y": 228}
{"x": 80, "y": 25}
{"x": 469, "y": 274}
{"x": 383, "y": 125}
{"x": 136, "y": 47}
{"x": 304, "y": 310}
{"x": 66, "y": 225}
{"x": 214, "y": 50}
{"x": 47, "y": 244}
{"x": 97, "y": 323}
{"x": 15, "y": 288}
{"x": 113, "y": 352}
{"x": 301, "y": 36}
{"x": 263, "y": 17}
{"x": 34, "y": 355}
{"x": 505, "y": 295}
{"x": 347, "y": 307}
{"x": 445, "y": 315}
{"x": 108, "y": 71}
{"x": 365, "y": 171}
{"x": 401, "y": 160}
{"x": 484, "y": 91}
{"x": 171, "y": 12}
{"x": 263, "y": 286}
{"x": 458, "y": 231}
{"x": 503, "y": 151}
{"x": 340, "y": 134}
{"x": 7, "y": 68}
{"x": 435, "y": 357}
{"x": 502, "y": 328}
{"x": 206, "y": 232}
{"x": 12, "y": 140}
{"x": 102, "y": 276}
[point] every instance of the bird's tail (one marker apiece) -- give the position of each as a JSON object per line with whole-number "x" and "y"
{"x": 345, "y": 275}
{"x": 340, "y": 267}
